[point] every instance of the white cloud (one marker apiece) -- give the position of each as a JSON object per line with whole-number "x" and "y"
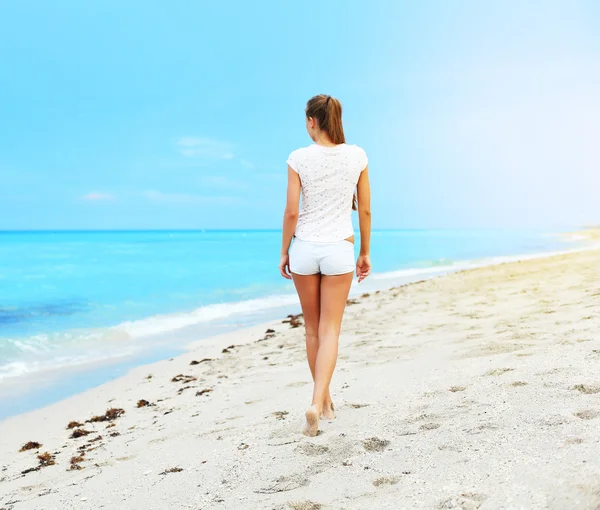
{"x": 207, "y": 148}
{"x": 96, "y": 196}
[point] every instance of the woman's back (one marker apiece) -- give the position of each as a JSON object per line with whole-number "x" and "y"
{"x": 328, "y": 176}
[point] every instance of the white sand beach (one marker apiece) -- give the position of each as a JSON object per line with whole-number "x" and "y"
{"x": 479, "y": 389}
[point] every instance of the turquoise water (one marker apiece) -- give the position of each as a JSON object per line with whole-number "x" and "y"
{"x": 69, "y": 298}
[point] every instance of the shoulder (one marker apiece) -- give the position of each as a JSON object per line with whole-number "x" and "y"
{"x": 359, "y": 153}
{"x": 298, "y": 153}
{"x": 355, "y": 149}
{"x": 296, "y": 157}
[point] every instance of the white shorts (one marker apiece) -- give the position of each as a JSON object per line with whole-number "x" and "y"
{"x": 307, "y": 258}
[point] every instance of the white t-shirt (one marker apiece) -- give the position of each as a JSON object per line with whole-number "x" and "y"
{"x": 329, "y": 176}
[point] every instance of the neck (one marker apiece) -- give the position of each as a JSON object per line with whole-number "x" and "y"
{"x": 323, "y": 139}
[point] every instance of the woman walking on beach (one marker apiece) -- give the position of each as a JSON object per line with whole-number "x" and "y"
{"x": 333, "y": 179}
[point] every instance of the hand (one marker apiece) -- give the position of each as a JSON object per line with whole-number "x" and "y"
{"x": 363, "y": 267}
{"x": 284, "y": 266}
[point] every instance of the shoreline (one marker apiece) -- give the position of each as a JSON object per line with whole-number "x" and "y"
{"x": 487, "y": 387}
{"x": 57, "y": 380}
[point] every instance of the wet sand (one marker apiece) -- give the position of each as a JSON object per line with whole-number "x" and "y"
{"x": 479, "y": 389}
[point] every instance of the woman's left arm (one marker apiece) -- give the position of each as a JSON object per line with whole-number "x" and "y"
{"x": 290, "y": 220}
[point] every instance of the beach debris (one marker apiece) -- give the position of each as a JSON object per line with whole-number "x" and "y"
{"x": 73, "y": 425}
{"x": 196, "y": 362}
{"x": 243, "y": 446}
{"x": 183, "y": 388}
{"x": 171, "y": 470}
{"x": 374, "y": 444}
{"x": 79, "y": 433}
{"x": 111, "y": 425}
{"x": 358, "y": 406}
{"x": 31, "y": 445}
{"x": 587, "y": 389}
{"x": 44, "y": 460}
{"x": 184, "y": 378}
{"x": 365, "y": 295}
{"x": 293, "y": 320}
{"x": 149, "y": 376}
{"x": 97, "y": 438}
{"x": 143, "y": 403}
{"x": 266, "y": 358}
{"x": 280, "y": 415}
{"x": 109, "y": 415}
{"x": 352, "y": 302}
{"x": 228, "y": 349}
{"x": 75, "y": 464}
{"x": 270, "y": 333}
{"x": 203, "y": 392}
{"x": 114, "y": 434}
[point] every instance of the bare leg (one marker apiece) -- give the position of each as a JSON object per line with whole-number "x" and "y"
{"x": 334, "y": 294}
{"x": 309, "y": 291}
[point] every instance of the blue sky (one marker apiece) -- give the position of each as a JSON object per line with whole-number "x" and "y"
{"x": 181, "y": 115}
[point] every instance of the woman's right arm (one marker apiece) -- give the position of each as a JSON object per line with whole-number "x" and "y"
{"x": 363, "y": 192}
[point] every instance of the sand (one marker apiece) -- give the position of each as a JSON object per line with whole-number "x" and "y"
{"x": 479, "y": 389}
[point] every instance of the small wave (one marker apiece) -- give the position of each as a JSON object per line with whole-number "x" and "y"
{"x": 18, "y": 368}
{"x": 171, "y": 322}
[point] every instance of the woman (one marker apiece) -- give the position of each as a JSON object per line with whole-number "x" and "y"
{"x": 333, "y": 179}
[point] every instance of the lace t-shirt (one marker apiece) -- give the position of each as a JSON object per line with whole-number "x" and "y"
{"x": 328, "y": 176}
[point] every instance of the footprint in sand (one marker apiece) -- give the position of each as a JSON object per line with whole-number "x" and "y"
{"x": 312, "y": 449}
{"x": 386, "y": 480}
{"x": 304, "y": 505}
{"x": 297, "y": 384}
{"x": 464, "y": 501}
{"x": 430, "y": 426}
{"x": 498, "y": 371}
{"x": 586, "y": 388}
{"x": 517, "y": 384}
{"x": 574, "y": 440}
{"x": 588, "y": 414}
{"x": 374, "y": 444}
{"x": 284, "y": 484}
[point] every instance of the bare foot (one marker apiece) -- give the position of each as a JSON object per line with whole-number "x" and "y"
{"x": 312, "y": 422}
{"x": 328, "y": 412}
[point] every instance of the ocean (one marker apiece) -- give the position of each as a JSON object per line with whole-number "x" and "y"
{"x": 101, "y": 302}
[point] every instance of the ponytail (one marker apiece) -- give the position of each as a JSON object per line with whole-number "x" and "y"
{"x": 333, "y": 125}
